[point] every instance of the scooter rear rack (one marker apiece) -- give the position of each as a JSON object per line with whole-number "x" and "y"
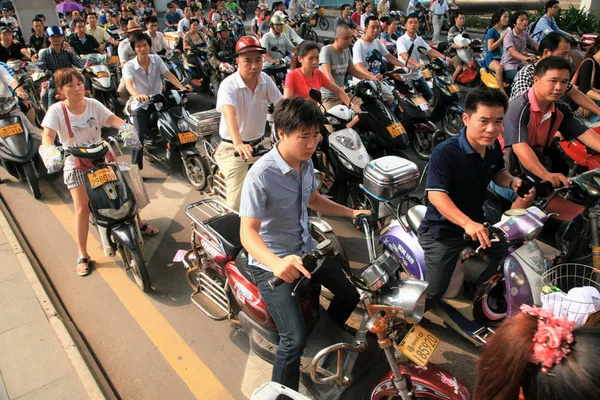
{"x": 483, "y": 334}
{"x": 201, "y": 212}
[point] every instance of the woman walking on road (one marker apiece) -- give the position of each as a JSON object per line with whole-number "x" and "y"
{"x": 78, "y": 121}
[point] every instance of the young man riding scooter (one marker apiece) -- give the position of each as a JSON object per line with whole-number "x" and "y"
{"x": 274, "y": 230}
{"x": 460, "y": 171}
{"x": 243, "y": 101}
{"x": 533, "y": 119}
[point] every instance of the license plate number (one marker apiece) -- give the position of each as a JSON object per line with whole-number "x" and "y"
{"x": 426, "y": 74}
{"x": 453, "y": 88}
{"x": 418, "y": 345}
{"x": 102, "y": 176}
{"x": 10, "y": 130}
{"x": 187, "y": 137}
{"x": 102, "y": 74}
{"x": 396, "y": 129}
{"x": 113, "y": 60}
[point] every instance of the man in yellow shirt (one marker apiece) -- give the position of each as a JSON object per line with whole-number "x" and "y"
{"x": 97, "y": 32}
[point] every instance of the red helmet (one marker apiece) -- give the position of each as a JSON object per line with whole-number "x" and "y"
{"x": 248, "y": 43}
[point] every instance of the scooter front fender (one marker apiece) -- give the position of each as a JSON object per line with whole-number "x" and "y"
{"x": 125, "y": 233}
{"x": 320, "y": 224}
{"x": 189, "y": 149}
{"x": 430, "y": 382}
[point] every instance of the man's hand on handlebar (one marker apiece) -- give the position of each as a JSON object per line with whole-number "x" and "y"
{"x": 187, "y": 87}
{"x": 556, "y": 179}
{"x": 244, "y": 150}
{"x": 289, "y": 268}
{"x": 142, "y": 98}
{"x": 356, "y": 108}
{"x": 478, "y": 232}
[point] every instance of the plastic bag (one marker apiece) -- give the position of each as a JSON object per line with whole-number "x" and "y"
{"x": 130, "y": 137}
{"x": 133, "y": 177}
{"x": 52, "y": 157}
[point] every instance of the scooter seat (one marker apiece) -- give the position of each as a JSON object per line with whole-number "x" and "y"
{"x": 415, "y": 215}
{"x": 227, "y": 229}
{"x": 241, "y": 262}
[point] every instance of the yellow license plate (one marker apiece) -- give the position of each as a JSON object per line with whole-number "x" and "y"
{"x": 102, "y": 176}
{"x": 419, "y": 100}
{"x": 113, "y": 60}
{"x": 426, "y": 74}
{"x": 418, "y": 345}
{"x": 453, "y": 88}
{"x": 396, "y": 129}
{"x": 102, "y": 74}
{"x": 10, "y": 130}
{"x": 187, "y": 137}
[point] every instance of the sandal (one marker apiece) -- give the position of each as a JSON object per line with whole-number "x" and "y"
{"x": 83, "y": 266}
{"x": 149, "y": 230}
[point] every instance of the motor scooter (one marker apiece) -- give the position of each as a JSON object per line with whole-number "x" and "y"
{"x": 18, "y": 148}
{"x": 175, "y": 149}
{"x": 518, "y": 283}
{"x": 104, "y": 84}
{"x": 175, "y": 65}
{"x": 218, "y": 272}
{"x": 471, "y": 58}
{"x": 380, "y": 129}
{"x": 445, "y": 103}
{"x": 113, "y": 210}
{"x": 197, "y": 69}
{"x": 414, "y": 112}
{"x": 583, "y": 157}
{"x": 279, "y": 70}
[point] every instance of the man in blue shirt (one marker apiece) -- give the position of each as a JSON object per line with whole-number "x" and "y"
{"x": 460, "y": 171}
{"x": 547, "y": 23}
{"x": 274, "y": 230}
{"x": 173, "y": 16}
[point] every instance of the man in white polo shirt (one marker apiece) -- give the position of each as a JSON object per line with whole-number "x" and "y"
{"x": 243, "y": 99}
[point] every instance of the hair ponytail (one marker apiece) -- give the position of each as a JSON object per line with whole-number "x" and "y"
{"x": 505, "y": 360}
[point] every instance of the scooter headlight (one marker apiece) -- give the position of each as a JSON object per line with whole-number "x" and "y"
{"x": 332, "y": 120}
{"x": 158, "y": 106}
{"x": 119, "y": 213}
{"x": 183, "y": 125}
{"x": 346, "y": 163}
{"x": 407, "y": 300}
{"x": 348, "y": 142}
{"x": 445, "y": 91}
{"x": 446, "y": 80}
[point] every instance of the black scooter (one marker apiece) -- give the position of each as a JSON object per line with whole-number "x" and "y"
{"x": 18, "y": 148}
{"x": 279, "y": 70}
{"x": 445, "y": 103}
{"x": 175, "y": 149}
{"x": 113, "y": 210}
{"x": 197, "y": 69}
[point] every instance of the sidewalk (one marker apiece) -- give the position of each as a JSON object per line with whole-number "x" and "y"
{"x": 38, "y": 358}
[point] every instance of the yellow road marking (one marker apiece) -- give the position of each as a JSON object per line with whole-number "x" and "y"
{"x": 196, "y": 375}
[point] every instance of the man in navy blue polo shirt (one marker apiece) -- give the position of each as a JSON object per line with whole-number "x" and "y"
{"x": 460, "y": 171}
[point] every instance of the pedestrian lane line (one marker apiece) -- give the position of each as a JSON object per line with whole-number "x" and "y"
{"x": 184, "y": 361}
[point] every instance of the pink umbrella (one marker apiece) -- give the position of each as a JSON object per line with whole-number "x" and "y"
{"x": 68, "y": 6}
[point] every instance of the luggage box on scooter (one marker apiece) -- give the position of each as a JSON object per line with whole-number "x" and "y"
{"x": 390, "y": 177}
{"x": 205, "y": 123}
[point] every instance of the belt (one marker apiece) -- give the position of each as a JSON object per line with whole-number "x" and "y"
{"x": 251, "y": 142}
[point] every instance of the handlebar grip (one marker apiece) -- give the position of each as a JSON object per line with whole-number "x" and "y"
{"x": 275, "y": 282}
{"x": 236, "y": 154}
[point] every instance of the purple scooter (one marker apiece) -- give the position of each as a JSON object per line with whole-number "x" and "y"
{"x": 499, "y": 297}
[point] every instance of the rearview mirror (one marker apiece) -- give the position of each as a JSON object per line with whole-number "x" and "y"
{"x": 442, "y": 46}
{"x": 315, "y": 95}
{"x": 422, "y": 50}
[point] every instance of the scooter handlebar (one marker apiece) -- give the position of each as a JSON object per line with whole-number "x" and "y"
{"x": 257, "y": 151}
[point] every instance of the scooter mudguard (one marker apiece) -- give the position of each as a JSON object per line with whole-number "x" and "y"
{"x": 430, "y": 382}
{"x": 320, "y": 224}
{"x": 125, "y": 233}
{"x": 405, "y": 246}
{"x": 482, "y": 313}
{"x": 189, "y": 149}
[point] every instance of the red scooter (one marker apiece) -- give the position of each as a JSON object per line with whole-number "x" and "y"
{"x": 583, "y": 157}
{"x": 217, "y": 271}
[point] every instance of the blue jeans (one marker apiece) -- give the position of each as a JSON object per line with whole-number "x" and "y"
{"x": 422, "y": 86}
{"x": 507, "y": 193}
{"x": 287, "y": 315}
{"x": 510, "y": 75}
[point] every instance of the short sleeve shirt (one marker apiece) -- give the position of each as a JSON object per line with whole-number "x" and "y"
{"x": 519, "y": 43}
{"x": 301, "y": 85}
{"x": 278, "y": 195}
{"x": 404, "y": 44}
{"x": 456, "y": 169}
{"x": 83, "y": 46}
{"x": 99, "y": 34}
{"x": 370, "y": 55}
{"x": 524, "y": 122}
{"x": 12, "y": 52}
{"x": 340, "y": 21}
{"x": 524, "y": 81}
{"x": 439, "y": 9}
{"x": 495, "y": 54}
{"x": 250, "y": 108}
{"x": 150, "y": 83}
{"x": 282, "y": 43}
{"x": 338, "y": 63}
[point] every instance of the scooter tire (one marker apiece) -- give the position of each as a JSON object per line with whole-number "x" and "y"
{"x": 422, "y": 150}
{"x": 452, "y": 123}
{"x": 323, "y": 24}
{"x": 32, "y": 180}
{"x": 196, "y": 171}
{"x": 312, "y": 35}
{"x": 133, "y": 261}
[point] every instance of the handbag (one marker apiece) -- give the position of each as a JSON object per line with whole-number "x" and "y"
{"x": 582, "y": 112}
{"x": 80, "y": 163}
{"x": 133, "y": 177}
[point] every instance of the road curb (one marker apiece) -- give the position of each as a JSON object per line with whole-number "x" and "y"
{"x": 80, "y": 366}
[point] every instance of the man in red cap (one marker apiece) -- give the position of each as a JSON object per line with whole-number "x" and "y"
{"x": 243, "y": 99}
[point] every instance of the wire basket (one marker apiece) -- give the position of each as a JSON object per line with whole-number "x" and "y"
{"x": 566, "y": 277}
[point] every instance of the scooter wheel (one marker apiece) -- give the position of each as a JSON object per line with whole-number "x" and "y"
{"x": 32, "y": 180}
{"x": 196, "y": 171}
{"x": 452, "y": 123}
{"x": 133, "y": 260}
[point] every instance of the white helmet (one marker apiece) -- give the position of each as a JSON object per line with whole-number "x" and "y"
{"x": 462, "y": 40}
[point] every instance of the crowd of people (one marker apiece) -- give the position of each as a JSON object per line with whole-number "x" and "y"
{"x": 500, "y": 137}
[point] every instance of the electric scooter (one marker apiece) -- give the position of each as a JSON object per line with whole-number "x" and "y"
{"x": 103, "y": 83}
{"x": 223, "y": 289}
{"x": 518, "y": 283}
